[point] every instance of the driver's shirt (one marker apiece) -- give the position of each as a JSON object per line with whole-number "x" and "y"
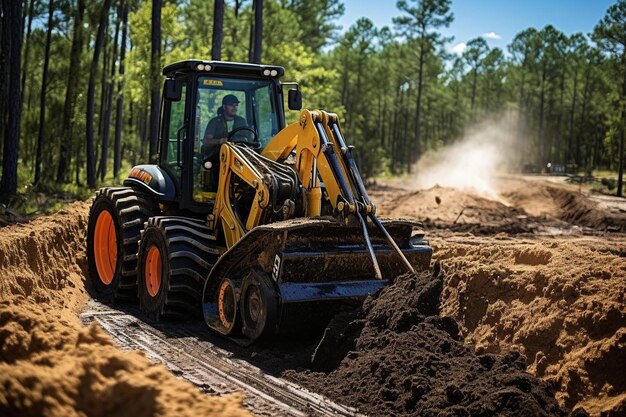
{"x": 218, "y": 127}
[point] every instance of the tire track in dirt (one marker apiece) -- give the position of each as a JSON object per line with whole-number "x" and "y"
{"x": 180, "y": 347}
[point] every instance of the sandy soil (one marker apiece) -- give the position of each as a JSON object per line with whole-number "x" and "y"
{"x": 540, "y": 268}
{"x": 537, "y": 268}
{"x": 560, "y": 301}
{"x": 517, "y": 205}
{"x": 52, "y": 366}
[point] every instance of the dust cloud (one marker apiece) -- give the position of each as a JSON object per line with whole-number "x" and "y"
{"x": 472, "y": 162}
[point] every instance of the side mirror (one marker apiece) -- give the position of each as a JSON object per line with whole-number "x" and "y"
{"x": 173, "y": 90}
{"x": 294, "y": 100}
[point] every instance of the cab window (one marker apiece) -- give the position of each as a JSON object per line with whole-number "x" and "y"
{"x": 225, "y": 105}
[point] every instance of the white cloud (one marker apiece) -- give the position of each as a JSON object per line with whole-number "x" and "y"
{"x": 459, "y": 48}
{"x": 491, "y": 35}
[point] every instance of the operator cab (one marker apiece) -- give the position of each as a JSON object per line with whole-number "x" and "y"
{"x": 206, "y": 103}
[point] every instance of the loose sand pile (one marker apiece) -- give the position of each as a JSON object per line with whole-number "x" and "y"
{"x": 523, "y": 206}
{"x": 406, "y": 359}
{"x": 561, "y": 302}
{"x": 562, "y": 201}
{"x": 459, "y": 211}
{"x": 49, "y": 364}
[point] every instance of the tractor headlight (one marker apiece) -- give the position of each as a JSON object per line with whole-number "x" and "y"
{"x": 200, "y": 67}
{"x": 266, "y": 72}
{"x": 273, "y": 73}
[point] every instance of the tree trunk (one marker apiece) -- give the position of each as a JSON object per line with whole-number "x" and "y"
{"x": 117, "y": 156}
{"x": 31, "y": 13}
{"x": 572, "y": 114}
{"x": 109, "y": 102}
{"x": 620, "y": 165}
{"x": 91, "y": 162}
{"x": 5, "y": 46}
{"x": 42, "y": 103}
{"x": 583, "y": 113}
{"x": 70, "y": 94}
{"x": 103, "y": 82}
{"x": 218, "y": 30}
{"x": 256, "y": 33}
{"x": 394, "y": 130}
{"x": 540, "y": 140}
{"x": 155, "y": 76}
{"x": 418, "y": 102}
{"x": 557, "y": 150}
{"x": 473, "y": 101}
{"x": 233, "y": 30}
{"x": 11, "y": 24}
{"x": 252, "y": 41}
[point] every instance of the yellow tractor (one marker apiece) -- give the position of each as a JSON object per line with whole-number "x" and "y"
{"x": 255, "y": 225}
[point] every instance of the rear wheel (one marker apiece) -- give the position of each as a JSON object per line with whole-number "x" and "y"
{"x": 115, "y": 221}
{"x": 175, "y": 257}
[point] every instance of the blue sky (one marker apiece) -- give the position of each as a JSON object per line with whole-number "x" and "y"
{"x": 501, "y": 19}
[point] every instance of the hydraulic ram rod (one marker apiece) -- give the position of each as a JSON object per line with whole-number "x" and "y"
{"x": 356, "y": 179}
{"x": 368, "y": 243}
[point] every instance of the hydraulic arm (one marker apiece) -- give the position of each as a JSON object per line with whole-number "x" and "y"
{"x": 321, "y": 150}
{"x": 286, "y": 263}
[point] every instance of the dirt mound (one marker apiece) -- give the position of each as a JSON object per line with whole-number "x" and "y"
{"x": 49, "y": 364}
{"x": 520, "y": 206}
{"x": 405, "y": 359}
{"x": 532, "y": 196}
{"x": 459, "y": 211}
{"x": 45, "y": 254}
{"x": 560, "y": 302}
{"x": 575, "y": 208}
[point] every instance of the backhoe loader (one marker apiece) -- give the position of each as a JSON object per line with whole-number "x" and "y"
{"x": 267, "y": 229}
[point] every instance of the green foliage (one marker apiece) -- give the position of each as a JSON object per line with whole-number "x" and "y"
{"x": 562, "y": 89}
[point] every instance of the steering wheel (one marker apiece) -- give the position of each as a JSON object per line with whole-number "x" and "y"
{"x": 255, "y": 142}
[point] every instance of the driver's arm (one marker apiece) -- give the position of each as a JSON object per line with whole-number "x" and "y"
{"x": 209, "y": 135}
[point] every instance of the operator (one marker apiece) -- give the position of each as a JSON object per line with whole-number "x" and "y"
{"x": 216, "y": 133}
{"x": 217, "y": 129}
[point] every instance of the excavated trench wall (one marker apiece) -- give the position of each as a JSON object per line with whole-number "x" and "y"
{"x": 52, "y": 366}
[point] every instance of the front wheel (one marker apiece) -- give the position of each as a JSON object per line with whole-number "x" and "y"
{"x": 115, "y": 221}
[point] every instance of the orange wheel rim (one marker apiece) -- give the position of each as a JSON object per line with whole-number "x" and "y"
{"x": 105, "y": 247}
{"x": 152, "y": 272}
{"x": 221, "y": 308}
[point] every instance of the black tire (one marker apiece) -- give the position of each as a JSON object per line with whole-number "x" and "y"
{"x": 129, "y": 209}
{"x": 258, "y": 306}
{"x": 188, "y": 252}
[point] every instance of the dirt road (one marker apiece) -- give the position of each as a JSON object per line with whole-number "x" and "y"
{"x": 538, "y": 269}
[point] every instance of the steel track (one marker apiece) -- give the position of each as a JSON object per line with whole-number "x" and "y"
{"x": 212, "y": 369}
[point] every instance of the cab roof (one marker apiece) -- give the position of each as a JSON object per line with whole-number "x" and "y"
{"x": 223, "y": 68}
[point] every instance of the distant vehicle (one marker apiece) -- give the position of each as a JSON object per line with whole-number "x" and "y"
{"x": 557, "y": 169}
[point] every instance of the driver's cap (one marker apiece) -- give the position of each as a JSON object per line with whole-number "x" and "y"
{"x": 230, "y": 99}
